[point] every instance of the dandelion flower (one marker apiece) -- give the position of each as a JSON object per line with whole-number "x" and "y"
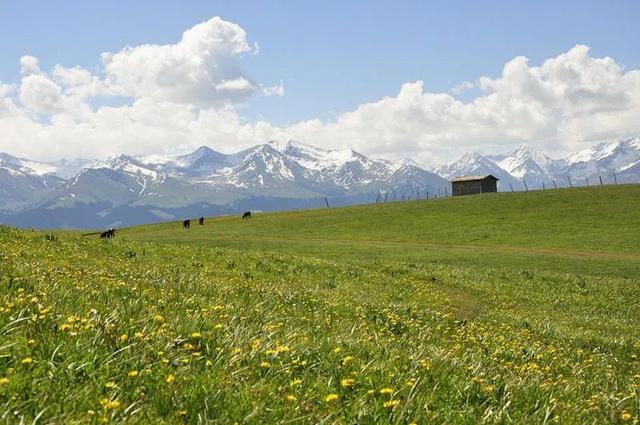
{"x": 265, "y": 365}
{"x": 391, "y": 403}
{"x": 158, "y": 318}
{"x": 4, "y": 380}
{"x": 625, "y": 416}
{"x": 291, "y": 397}
{"x": 124, "y": 338}
{"x": 110, "y": 384}
{"x": 296, "y": 382}
{"x": 26, "y": 360}
{"x": 347, "y": 359}
{"x": 112, "y": 405}
{"x": 196, "y": 335}
{"x": 331, "y": 397}
{"x": 348, "y": 382}
{"x": 133, "y": 373}
{"x": 170, "y": 379}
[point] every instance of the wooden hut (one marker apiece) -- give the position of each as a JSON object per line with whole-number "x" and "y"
{"x": 472, "y": 185}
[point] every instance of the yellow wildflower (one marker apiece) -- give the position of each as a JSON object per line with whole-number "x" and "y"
{"x": 331, "y": 397}
{"x": 296, "y": 382}
{"x": 196, "y": 335}
{"x": 4, "y": 380}
{"x": 291, "y": 397}
{"x": 348, "y": 382}
{"x": 170, "y": 379}
{"x": 124, "y": 338}
{"x": 110, "y": 384}
{"x": 26, "y": 360}
{"x": 133, "y": 373}
{"x": 391, "y": 403}
{"x": 265, "y": 365}
{"x": 625, "y": 416}
{"x": 386, "y": 391}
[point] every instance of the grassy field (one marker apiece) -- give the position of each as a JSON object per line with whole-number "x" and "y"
{"x": 587, "y": 230}
{"x": 496, "y": 308}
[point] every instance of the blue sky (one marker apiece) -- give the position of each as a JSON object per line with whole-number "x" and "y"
{"x": 330, "y": 56}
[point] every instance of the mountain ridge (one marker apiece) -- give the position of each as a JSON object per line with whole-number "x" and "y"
{"x": 128, "y": 189}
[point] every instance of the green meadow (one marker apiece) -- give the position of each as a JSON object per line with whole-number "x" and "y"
{"x": 497, "y": 308}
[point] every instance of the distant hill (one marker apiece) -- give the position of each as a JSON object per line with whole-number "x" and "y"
{"x": 128, "y": 190}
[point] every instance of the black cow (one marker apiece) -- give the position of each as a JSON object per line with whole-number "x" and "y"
{"x": 186, "y": 224}
{"x": 108, "y": 234}
{"x": 201, "y": 221}
{"x": 247, "y": 214}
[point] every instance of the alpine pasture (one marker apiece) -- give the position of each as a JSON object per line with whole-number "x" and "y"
{"x": 497, "y": 308}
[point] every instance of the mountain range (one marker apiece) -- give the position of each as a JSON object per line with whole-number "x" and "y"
{"x": 525, "y": 169}
{"x": 128, "y": 190}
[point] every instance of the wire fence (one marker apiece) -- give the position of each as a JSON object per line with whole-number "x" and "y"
{"x": 521, "y": 185}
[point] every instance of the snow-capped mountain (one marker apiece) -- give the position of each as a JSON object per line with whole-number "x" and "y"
{"x": 474, "y": 164}
{"x": 526, "y": 165}
{"x": 24, "y": 183}
{"x": 137, "y": 189}
{"x": 620, "y": 157}
{"x": 538, "y": 170}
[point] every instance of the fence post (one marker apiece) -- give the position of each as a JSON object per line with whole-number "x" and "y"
{"x": 525, "y": 185}
{"x": 543, "y": 186}
{"x": 326, "y": 201}
{"x": 511, "y": 186}
{"x": 587, "y": 180}
{"x": 570, "y": 184}
{"x": 600, "y": 180}
{"x": 554, "y": 184}
{"x": 615, "y": 179}
{"x": 427, "y": 194}
{"x": 385, "y": 196}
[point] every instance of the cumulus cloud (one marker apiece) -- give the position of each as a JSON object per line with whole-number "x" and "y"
{"x": 186, "y": 94}
{"x": 202, "y": 68}
{"x": 568, "y": 101}
{"x": 39, "y": 94}
{"x": 29, "y": 64}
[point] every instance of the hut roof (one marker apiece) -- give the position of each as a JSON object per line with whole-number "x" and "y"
{"x": 473, "y": 178}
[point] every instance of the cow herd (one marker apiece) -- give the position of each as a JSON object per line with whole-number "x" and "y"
{"x": 186, "y": 224}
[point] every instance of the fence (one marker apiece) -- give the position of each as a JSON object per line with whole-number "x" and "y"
{"x": 415, "y": 193}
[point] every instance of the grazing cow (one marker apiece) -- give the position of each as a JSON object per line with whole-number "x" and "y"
{"x": 247, "y": 214}
{"x": 108, "y": 234}
{"x": 201, "y": 221}
{"x": 186, "y": 224}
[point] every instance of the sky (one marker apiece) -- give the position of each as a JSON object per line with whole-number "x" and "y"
{"x": 426, "y": 80}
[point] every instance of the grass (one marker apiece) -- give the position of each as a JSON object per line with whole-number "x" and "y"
{"x": 332, "y": 316}
{"x": 591, "y": 230}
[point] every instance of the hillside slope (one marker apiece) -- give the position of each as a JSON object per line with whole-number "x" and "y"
{"x": 583, "y": 229}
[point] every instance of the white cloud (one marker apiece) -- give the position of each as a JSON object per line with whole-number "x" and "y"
{"x": 186, "y": 94}
{"x": 276, "y": 90}
{"x": 29, "y": 64}
{"x": 202, "y": 68}
{"x": 40, "y": 95}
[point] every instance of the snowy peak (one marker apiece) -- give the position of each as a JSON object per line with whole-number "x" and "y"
{"x": 523, "y": 163}
{"x": 617, "y": 155}
{"x": 26, "y": 166}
